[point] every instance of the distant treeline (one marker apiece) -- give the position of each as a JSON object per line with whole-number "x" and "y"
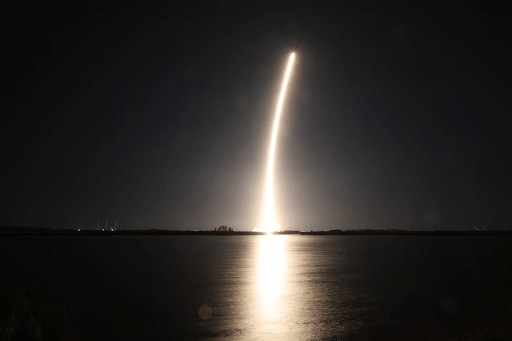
{"x": 42, "y": 231}
{"x": 14, "y": 230}
{"x": 394, "y": 232}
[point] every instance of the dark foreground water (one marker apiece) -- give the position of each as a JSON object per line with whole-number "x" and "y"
{"x": 265, "y": 287}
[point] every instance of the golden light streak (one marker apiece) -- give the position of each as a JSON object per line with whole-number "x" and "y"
{"x": 269, "y": 222}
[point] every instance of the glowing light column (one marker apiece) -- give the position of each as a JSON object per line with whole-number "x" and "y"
{"x": 269, "y": 222}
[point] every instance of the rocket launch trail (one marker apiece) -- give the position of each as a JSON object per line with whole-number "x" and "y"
{"x": 269, "y": 222}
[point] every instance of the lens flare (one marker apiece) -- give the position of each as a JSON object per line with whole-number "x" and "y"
{"x": 269, "y": 222}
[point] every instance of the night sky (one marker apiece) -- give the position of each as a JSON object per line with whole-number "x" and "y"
{"x": 159, "y": 116}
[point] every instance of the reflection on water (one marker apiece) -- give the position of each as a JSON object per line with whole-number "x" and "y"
{"x": 271, "y": 275}
{"x": 303, "y": 290}
{"x": 268, "y": 287}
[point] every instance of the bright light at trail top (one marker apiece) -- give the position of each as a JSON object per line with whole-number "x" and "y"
{"x": 269, "y": 222}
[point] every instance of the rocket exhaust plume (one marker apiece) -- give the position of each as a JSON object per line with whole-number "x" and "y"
{"x": 269, "y": 222}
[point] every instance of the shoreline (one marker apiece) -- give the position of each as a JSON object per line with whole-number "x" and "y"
{"x": 48, "y": 232}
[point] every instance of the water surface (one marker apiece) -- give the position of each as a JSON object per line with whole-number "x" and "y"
{"x": 265, "y": 287}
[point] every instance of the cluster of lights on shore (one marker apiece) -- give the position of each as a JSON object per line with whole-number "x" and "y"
{"x": 268, "y": 221}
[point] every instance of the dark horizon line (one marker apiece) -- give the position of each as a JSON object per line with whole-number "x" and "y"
{"x": 23, "y": 231}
